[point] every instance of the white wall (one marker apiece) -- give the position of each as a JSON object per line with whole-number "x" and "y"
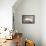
{"x": 43, "y": 22}
{"x": 31, "y": 31}
{"x": 6, "y": 13}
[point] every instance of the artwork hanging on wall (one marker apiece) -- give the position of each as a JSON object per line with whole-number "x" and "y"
{"x": 28, "y": 19}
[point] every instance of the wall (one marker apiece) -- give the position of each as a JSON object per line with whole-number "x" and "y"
{"x": 30, "y": 31}
{"x": 6, "y": 13}
{"x": 43, "y": 22}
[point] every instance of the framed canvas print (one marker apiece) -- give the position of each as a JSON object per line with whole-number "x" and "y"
{"x": 28, "y": 19}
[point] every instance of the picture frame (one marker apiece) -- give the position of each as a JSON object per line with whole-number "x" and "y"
{"x": 28, "y": 19}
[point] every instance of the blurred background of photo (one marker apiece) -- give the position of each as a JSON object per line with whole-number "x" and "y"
{"x": 6, "y": 15}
